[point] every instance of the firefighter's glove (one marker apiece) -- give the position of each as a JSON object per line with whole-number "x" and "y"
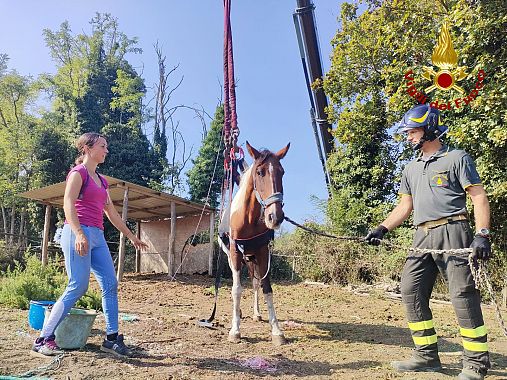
{"x": 375, "y": 237}
{"x": 482, "y": 247}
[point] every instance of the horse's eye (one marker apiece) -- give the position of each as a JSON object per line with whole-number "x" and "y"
{"x": 260, "y": 172}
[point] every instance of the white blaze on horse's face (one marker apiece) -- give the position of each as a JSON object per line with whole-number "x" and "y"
{"x": 267, "y": 176}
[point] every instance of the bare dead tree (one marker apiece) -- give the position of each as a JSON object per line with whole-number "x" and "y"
{"x": 168, "y": 127}
{"x": 177, "y": 166}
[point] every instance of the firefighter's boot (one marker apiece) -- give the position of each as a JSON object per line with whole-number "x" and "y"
{"x": 416, "y": 364}
{"x": 471, "y": 373}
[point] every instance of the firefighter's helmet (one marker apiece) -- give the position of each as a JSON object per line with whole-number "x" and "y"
{"x": 424, "y": 116}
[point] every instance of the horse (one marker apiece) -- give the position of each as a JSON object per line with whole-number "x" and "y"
{"x": 255, "y": 212}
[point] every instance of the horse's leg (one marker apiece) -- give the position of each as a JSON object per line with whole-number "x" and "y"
{"x": 276, "y": 332}
{"x": 253, "y": 270}
{"x": 235, "y": 262}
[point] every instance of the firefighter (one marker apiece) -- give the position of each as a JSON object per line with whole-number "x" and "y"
{"x": 434, "y": 186}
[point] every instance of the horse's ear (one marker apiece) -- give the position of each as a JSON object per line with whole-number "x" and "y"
{"x": 253, "y": 152}
{"x": 282, "y": 152}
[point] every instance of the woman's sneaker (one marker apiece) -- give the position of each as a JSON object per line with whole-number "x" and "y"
{"x": 45, "y": 347}
{"x": 116, "y": 347}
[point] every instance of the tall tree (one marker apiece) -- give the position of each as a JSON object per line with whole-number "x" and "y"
{"x": 372, "y": 51}
{"x": 208, "y": 172}
{"x": 168, "y": 139}
{"x": 17, "y": 128}
{"x": 96, "y": 89}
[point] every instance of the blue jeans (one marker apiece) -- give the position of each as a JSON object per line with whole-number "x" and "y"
{"x": 99, "y": 261}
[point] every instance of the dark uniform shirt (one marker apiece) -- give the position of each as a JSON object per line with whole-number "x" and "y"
{"x": 437, "y": 185}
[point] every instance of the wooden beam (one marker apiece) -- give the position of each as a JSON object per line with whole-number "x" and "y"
{"x": 45, "y": 235}
{"x": 121, "y": 251}
{"x": 211, "y": 240}
{"x": 133, "y": 199}
{"x": 117, "y": 203}
{"x": 172, "y": 240}
{"x": 52, "y": 199}
{"x": 165, "y": 197}
{"x": 138, "y": 252}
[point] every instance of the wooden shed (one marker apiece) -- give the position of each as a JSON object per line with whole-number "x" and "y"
{"x": 164, "y": 221}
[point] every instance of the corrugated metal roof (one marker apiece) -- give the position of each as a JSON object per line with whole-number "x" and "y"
{"x": 143, "y": 202}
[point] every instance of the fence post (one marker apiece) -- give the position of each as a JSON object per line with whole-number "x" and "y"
{"x": 504, "y": 294}
{"x": 172, "y": 241}
{"x": 138, "y": 251}
{"x": 45, "y": 236}
{"x": 121, "y": 250}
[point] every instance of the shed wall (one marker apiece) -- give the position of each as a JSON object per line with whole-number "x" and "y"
{"x": 156, "y": 235}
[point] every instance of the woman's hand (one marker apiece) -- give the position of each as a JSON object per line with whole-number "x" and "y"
{"x": 81, "y": 243}
{"x": 138, "y": 243}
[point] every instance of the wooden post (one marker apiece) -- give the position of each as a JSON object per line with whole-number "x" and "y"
{"x": 138, "y": 252}
{"x": 293, "y": 267}
{"x": 121, "y": 250}
{"x": 504, "y": 294}
{"x": 172, "y": 240}
{"x": 211, "y": 242}
{"x": 45, "y": 236}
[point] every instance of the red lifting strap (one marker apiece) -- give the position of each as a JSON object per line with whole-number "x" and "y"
{"x": 231, "y": 130}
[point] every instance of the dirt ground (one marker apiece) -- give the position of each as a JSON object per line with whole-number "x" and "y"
{"x": 332, "y": 333}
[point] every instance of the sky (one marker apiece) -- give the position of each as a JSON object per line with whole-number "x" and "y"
{"x": 272, "y": 99}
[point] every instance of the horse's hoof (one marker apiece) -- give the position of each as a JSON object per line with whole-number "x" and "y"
{"x": 234, "y": 338}
{"x": 257, "y": 318}
{"x": 278, "y": 340}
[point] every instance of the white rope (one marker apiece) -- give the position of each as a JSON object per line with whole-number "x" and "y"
{"x": 51, "y": 366}
{"x": 270, "y": 250}
{"x": 481, "y": 279}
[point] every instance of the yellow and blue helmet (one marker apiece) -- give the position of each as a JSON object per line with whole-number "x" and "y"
{"x": 424, "y": 116}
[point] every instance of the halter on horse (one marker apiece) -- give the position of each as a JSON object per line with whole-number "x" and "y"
{"x": 256, "y": 211}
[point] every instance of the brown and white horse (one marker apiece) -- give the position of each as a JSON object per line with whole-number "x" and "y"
{"x": 256, "y": 211}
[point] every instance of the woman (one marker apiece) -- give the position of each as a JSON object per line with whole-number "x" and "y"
{"x": 84, "y": 246}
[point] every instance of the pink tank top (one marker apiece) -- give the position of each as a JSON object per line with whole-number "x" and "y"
{"x": 90, "y": 205}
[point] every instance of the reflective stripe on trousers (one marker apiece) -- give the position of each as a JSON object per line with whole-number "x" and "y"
{"x": 417, "y": 281}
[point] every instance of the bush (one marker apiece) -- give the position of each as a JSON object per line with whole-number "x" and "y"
{"x": 33, "y": 281}
{"x": 341, "y": 262}
{"x": 9, "y": 255}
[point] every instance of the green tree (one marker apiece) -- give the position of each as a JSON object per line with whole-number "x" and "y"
{"x": 96, "y": 89}
{"x": 207, "y": 170}
{"x": 372, "y": 52}
{"x": 130, "y": 157}
{"x": 4, "y": 58}
{"x": 17, "y": 127}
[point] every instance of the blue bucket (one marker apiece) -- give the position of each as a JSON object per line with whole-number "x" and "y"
{"x": 36, "y": 313}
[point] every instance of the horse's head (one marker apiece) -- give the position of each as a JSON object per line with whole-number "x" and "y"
{"x": 267, "y": 173}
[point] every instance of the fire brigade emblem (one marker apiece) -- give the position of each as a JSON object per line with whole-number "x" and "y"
{"x": 440, "y": 179}
{"x": 446, "y": 59}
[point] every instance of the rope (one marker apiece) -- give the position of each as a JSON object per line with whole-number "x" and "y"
{"x": 51, "y": 366}
{"x": 387, "y": 243}
{"x": 316, "y": 232}
{"x": 478, "y": 268}
{"x": 270, "y": 252}
{"x": 481, "y": 279}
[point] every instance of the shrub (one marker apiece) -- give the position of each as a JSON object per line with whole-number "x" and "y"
{"x": 33, "y": 281}
{"x": 342, "y": 262}
{"x": 9, "y": 254}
